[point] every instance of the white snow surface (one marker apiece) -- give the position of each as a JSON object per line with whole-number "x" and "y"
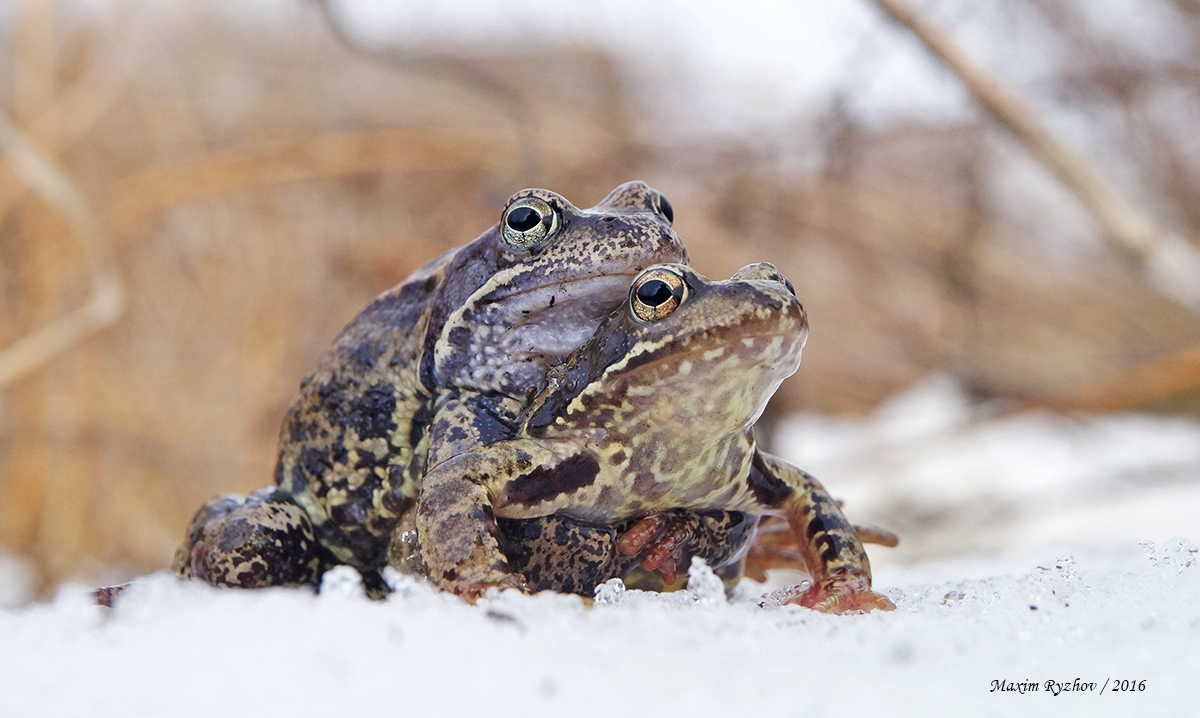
{"x": 175, "y": 649}
{"x": 1050, "y": 595}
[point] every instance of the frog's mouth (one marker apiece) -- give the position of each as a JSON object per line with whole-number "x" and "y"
{"x": 768, "y": 352}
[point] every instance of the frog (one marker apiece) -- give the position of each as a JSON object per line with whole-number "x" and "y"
{"x": 437, "y": 364}
{"x": 654, "y": 412}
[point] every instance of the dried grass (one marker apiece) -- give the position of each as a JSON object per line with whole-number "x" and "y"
{"x": 259, "y": 185}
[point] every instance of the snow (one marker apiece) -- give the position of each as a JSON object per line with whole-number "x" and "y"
{"x": 704, "y": 68}
{"x": 1084, "y": 602}
{"x": 962, "y": 478}
{"x": 184, "y": 649}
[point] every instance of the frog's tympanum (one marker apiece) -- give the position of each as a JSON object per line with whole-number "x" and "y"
{"x": 654, "y": 412}
{"x": 441, "y": 363}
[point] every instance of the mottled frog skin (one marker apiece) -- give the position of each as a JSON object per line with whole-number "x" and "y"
{"x": 654, "y": 412}
{"x": 561, "y": 554}
{"x": 442, "y": 362}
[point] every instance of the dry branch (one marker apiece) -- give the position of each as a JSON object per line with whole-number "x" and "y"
{"x": 77, "y": 107}
{"x": 107, "y": 298}
{"x": 336, "y": 155}
{"x": 1144, "y": 384}
{"x": 1170, "y": 263}
{"x": 449, "y": 68}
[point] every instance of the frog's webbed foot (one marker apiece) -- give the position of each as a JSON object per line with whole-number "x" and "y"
{"x": 250, "y": 542}
{"x": 843, "y": 594}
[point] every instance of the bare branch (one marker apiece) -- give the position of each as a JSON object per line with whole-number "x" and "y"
{"x": 1170, "y": 263}
{"x": 333, "y": 155}
{"x": 458, "y": 71}
{"x": 107, "y": 300}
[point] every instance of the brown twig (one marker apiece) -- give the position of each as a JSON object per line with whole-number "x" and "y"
{"x": 77, "y": 107}
{"x": 331, "y": 155}
{"x": 107, "y": 299}
{"x": 1151, "y": 381}
{"x": 1171, "y": 264}
{"x": 458, "y": 71}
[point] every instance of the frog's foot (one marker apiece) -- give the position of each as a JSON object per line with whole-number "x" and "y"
{"x": 668, "y": 541}
{"x": 663, "y": 538}
{"x": 263, "y": 540}
{"x": 843, "y": 594}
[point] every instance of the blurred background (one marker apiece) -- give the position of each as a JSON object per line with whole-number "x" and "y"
{"x": 196, "y": 197}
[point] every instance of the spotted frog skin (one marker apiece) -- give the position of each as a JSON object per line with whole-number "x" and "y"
{"x": 654, "y": 412}
{"x": 438, "y": 364}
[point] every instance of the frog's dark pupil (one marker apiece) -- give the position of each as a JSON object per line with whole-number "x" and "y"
{"x": 654, "y": 292}
{"x": 665, "y": 207}
{"x": 523, "y": 219}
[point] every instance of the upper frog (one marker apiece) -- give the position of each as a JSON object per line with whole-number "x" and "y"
{"x": 438, "y": 363}
{"x": 654, "y": 411}
{"x": 488, "y": 318}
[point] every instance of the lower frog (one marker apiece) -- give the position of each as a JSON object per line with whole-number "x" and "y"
{"x": 654, "y": 412}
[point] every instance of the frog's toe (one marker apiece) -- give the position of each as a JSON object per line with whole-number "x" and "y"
{"x": 643, "y": 534}
{"x": 662, "y": 541}
{"x": 843, "y": 595}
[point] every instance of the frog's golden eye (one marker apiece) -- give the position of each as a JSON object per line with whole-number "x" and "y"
{"x": 528, "y": 222}
{"x": 662, "y": 206}
{"x": 656, "y": 293}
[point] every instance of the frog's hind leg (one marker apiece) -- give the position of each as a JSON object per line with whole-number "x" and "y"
{"x": 829, "y": 545}
{"x": 557, "y": 553}
{"x": 776, "y": 546}
{"x": 262, "y": 540}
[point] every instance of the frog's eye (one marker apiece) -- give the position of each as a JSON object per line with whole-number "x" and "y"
{"x": 656, "y": 293}
{"x": 528, "y": 222}
{"x": 663, "y": 207}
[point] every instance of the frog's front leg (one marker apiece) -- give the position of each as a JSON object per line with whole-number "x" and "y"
{"x": 262, "y": 540}
{"x": 456, "y": 526}
{"x": 829, "y": 544}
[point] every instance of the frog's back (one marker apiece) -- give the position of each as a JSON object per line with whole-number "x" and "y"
{"x": 481, "y": 321}
{"x": 352, "y": 445}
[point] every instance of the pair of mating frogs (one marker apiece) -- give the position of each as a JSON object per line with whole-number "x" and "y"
{"x": 559, "y": 402}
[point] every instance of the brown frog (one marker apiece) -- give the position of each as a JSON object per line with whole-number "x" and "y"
{"x": 655, "y": 411}
{"x": 438, "y": 364}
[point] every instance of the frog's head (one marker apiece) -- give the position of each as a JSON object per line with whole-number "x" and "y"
{"x": 538, "y": 284}
{"x": 683, "y": 351}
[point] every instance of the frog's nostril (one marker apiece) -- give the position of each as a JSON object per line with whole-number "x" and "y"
{"x": 609, "y": 218}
